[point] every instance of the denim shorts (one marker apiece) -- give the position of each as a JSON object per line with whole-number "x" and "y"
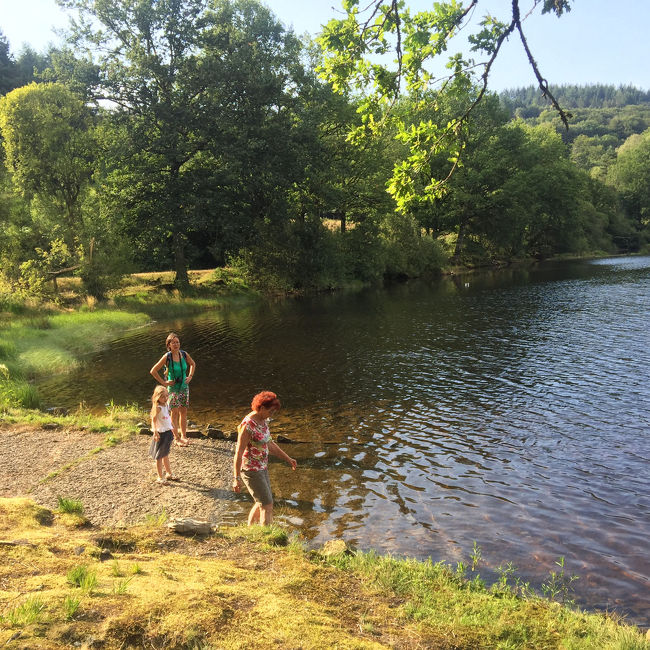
{"x": 259, "y": 485}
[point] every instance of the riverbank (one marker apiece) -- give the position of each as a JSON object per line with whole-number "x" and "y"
{"x": 109, "y": 471}
{"x": 69, "y": 582}
{"x": 52, "y": 335}
{"x": 454, "y": 612}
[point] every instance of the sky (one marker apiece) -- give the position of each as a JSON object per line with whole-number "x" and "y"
{"x": 599, "y": 41}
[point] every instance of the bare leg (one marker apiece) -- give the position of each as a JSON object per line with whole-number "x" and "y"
{"x": 168, "y": 468}
{"x": 182, "y": 411}
{"x": 254, "y": 515}
{"x": 266, "y": 515}
{"x": 175, "y": 419}
{"x": 159, "y": 468}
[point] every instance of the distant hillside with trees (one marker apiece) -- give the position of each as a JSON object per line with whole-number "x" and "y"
{"x": 608, "y": 137}
{"x": 610, "y": 112}
{"x": 575, "y": 96}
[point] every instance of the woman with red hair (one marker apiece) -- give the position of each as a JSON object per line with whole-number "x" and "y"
{"x": 254, "y": 445}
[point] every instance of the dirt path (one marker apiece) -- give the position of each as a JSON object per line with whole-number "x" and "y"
{"x": 116, "y": 485}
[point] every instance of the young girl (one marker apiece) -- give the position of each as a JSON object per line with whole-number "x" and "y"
{"x": 163, "y": 435}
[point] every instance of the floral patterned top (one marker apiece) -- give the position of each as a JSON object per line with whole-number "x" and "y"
{"x": 256, "y": 454}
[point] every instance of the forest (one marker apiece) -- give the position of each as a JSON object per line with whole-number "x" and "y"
{"x": 181, "y": 135}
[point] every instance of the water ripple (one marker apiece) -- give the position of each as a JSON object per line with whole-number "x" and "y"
{"x": 513, "y": 413}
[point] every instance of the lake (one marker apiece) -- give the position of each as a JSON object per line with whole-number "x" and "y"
{"x": 507, "y": 408}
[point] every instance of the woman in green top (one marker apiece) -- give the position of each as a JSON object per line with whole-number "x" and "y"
{"x": 179, "y": 372}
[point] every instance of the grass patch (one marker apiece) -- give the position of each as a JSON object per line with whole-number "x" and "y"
{"x": 56, "y": 343}
{"x": 83, "y": 578}
{"x": 24, "y": 614}
{"x": 136, "y": 569}
{"x": 120, "y": 586}
{"x": 268, "y": 536}
{"x": 23, "y": 514}
{"x": 216, "y": 592}
{"x": 72, "y": 506}
{"x": 40, "y": 338}
{"x": 441, "y": 598}
{"x": 70, "y": 607}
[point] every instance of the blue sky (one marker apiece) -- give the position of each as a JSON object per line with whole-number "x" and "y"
{"x": 599, "y": 41}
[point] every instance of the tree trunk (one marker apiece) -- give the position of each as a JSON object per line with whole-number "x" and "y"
{"x": 460, "y": 243}
{"x": 182, "y": 280}
{"x": 343, "y": 221}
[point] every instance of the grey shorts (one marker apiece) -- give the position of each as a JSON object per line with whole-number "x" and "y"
{"x": 259, "y": 485}
{"x": 161, "y": 448}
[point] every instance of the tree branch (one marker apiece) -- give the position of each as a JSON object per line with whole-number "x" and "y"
{"x": 543, "y": 83}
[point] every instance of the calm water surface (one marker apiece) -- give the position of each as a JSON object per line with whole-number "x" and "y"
{"x": 509, "y": 408}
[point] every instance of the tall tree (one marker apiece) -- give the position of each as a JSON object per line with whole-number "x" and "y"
{"x": 631, "y": 177}
{"x": 47, "y": 139}
{"x": 197, "y": 92}
{"x": 8, "y": 71}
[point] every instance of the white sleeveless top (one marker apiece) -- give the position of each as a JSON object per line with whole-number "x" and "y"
{"x": 163, "y": 421}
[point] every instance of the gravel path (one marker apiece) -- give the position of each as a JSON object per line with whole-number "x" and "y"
{"x": 116, "y": 485}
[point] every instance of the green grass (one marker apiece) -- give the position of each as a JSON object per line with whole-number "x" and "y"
{"x": 37, "y": 339}
{"x": 156, "y": 520}
{"x": 80, "y": 576}
{"x": 181, "y": 592}
{"x": 504, "y": 616}
{"x": 70, "y": 506}
{"x": 70, "y": 607}
{"x": 136, "y": 569}
{"x": 120, "y": 586}
{"x": 26, "y": 613}
{"x": 56, "y": 343}
{"x": 268, "y": 535}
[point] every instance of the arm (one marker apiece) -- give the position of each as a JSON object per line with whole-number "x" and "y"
{"x": 276, "y": 451}
{"x": 242, "y": 442}
{"x": 155, "y": 372}
{"x": 156, "y": 434}
{"x": 191, "y": 367}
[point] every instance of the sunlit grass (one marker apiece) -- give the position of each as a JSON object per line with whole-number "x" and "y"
{"x": 26, "y": 613}
{"x": 70, "y": 607}
{"x": 211, "y": 592}
{"x": 120, "y": 586}
{"x": 39, "y": 339}
{"x": 441, "y": 597}
{"x": 56, "y": 343}
{"x": 82, "y": 577}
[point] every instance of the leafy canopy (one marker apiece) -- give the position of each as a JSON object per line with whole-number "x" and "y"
{"x": 356, "y": 60}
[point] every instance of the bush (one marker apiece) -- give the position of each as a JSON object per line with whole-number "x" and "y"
{"x": 71, "y": 506}
{"x": 9, "y": 303}
{"x": 408, "y": 253}
{"x": 364, "y": 253}
{"x": 297, "y": 255}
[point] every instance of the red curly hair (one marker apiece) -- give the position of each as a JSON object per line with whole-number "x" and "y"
{"x": 265, "y": 398}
